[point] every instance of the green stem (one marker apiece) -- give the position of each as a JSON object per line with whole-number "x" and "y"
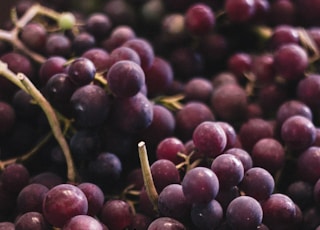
{"x": 147, "y": 176}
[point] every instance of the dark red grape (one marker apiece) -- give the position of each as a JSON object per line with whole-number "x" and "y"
{"x": 116, "y": 214}
{"x": 290, "y": 61}
{"x": 90, "y": 106}
{"x": 189, "y": 117}
{"x": 119, "y": 35}
{"x": 307, "y": 164}
{"x": 166, "y": 223}
{"x": 198, "y": 89}
{"x": 240, "y": 64}
{"x": 99, "y": 25}
{"x": 31, "y": 197}
{"x": 283, "y": 34}
{"x": 6, "y": 225}
{"x": 169, "y": 148}
{"x": 57, "y": 44}
{"x": 200, "y": 184}
{"x": 230, "y": 132}
{"x": 229, "y": 170}
{"x": 81, "y": 71}
{"x": 172, "y": 203}
{"x": 164, "y": 172}
{"x": 240, "y": 11}
{"x": 63, "y": 202}
{"x": 298, "y": 133}
{"x": 243, "y": 156}
{"x": 125, "y": 78}
{"x": 48, "y": 179}
{"x": 94, "y": 196}
{"x": 31, "y": 221}
{"x": 15, "y": 177}
{"x": 244, "y": 212}
{"x": 99, "y": 58}
{"x": 257, "y": 183}
{"x": 308, "y": 90}
{"x": 301, "y": 193}
{"x": 282, "y": 12}
{"x": 123, "y": 53}
{"x": 52, "y": 65}
{"x": 83, "y": 42}
{"x": 268, "y": 153}
{"x": 263, "y": 68}
{"x": 199, "y": 19}
{"x": 83, "y": 222}
{"x": 209, "y": 138}
{"x": 140, "y": 222}
{"x": 34, "y": 36}
{"x": 7, "y": 117}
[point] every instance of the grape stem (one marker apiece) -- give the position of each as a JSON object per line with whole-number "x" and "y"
{"x": 147, "y": 176}
{"x": 12, "y": 36}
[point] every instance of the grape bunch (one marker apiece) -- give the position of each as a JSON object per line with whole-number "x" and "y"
{"x": 159, "y": 114}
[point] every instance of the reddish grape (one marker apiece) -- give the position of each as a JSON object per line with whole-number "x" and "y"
{"x": 123, "y": 53}
{"x": 166, "y": 223}
{"x": 31, "y": 221}
{"x": 307, "y": 164}
{"x": 83, "y": 42}
{"x": 58, "y": 44}
{"x": 15, "y": 177}
{"x": 52, "y": 65}
{"x": 169, "y": 148}
{"x": 119, "y": 35}
{"x": 34, "y": 36}
{"x": 7, "y": 117}
{"x": 94, "y": 196}
{"x": 198, "y": 89}
{"x": 99, "y": 25}
{"x": 240, "y": 11}
{"x": 82, "y": 222}
{"x": 99, "y": 58}
{"x": 63, "y": 202}
{"x": 81, "y": 71}
{"x": 308, "y": 90}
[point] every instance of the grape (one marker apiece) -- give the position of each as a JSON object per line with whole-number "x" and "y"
{"x": 225, "y": 196}
{"x": 290, "y": 61}
{"x": 307, "y": 164}
{"x": 123, "y": 53}
{"x": 34, "y": 36}
{"x": 125, "y": 78}
{"x": 82, "y": 222}
{"x": 7, "y": 226}
{"x": 308, "y": 90}
{"x": 7, "y": 117}
{"x": 200, "y": 185}
{"x": 48, "y": 179}
{"x": 120, "y": 13}
{"x": 159, "y": 76}
{"x": 199, "y": 19}
{"x": 90, "y": 106}
{"x": 250, "y": 216}
{"x": 198, "y": 89}
{"x": 98, "y": 24}
{"x": 298, "y": 133}
{"x": 301, "y": 193}
{"x": 169, "y": 148}
{"x": 172, "y": 203}
{"x": 282, "y": 12}
{"x": 263, "y": 68}
{"x": 52, "y": 65}
{"x": 209, "y": 138}
{"x": 166, "y": 223}
{"x": 240, "y": 11}
{"x": 240, "y": 64}
{"x": 119, "y": 35}
{"x": 31, "y": 221}
{"x": 207, "y": 215}
{"x": 94, "y": 196}
{"x": 98, "y": 56}
{"x": 81, "y": 71}
{"x": 31, "y": 197}
{"x": 279, "y": 211}
{"x": 15, "y": 177}
{"x": 140, "y": 222}
{"x": 283, "y": 34}
{"x": 189, "y": 117}
{"x": 139, "y": 110}
{"x": 269, "y": 154}
{"x": 229, "y": 170}
{"x": 58, "y": 44}
{"x": 257, "y": 183}
{"x": 164, "y": 172}
{"x": 116, "y": 214}
{"x": 230, "y": 134}
{"x": 63, "y": 202}
{"x": 23, "y": 107}
{"x": 243, "y": 156}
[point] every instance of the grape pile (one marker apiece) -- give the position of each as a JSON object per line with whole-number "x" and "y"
{"x": 159, "y": 114}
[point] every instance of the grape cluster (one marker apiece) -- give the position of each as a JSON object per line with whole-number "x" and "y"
{"x": 159, "y": 114}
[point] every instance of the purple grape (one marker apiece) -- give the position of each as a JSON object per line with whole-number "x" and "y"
{"x": 119, "y": 35}
{"x": 207, "y": 215}
{"x": 209, "y": 138}
{"x": 298, "y": 133}
{"x": 34, "y": 36}
{"x": 243, "y": 156}
{"x": 198, "y": 89}
{"x": 229, "y": 170}
{"x": 199, "y": 19}
{"x": 31, "y": 197}
{"x": 283, "y": 34}
{"x": 81, "y": 71}
{"x": 268, "y": 153}
{"x": 140, "y": 222}
{"x": 125, "y": 78}
{"x": 159, "y": 76}
{"x": 230, "y": 132}
{"x": 116, "y": 214}
{"x": 94, "y": 196}
{"x": 164, "y": 173}
{"x": 308, "y": 90}
{"x": 240, "y": 11}
{"x": 279, "y": 211}
{"x": 63, "y": 202}
{"x": 99, "y": 25}
{"x": 263, "y": 68}
{"x": 225, "y": 196}
{"x": 6, "y": 225}
{"x": 307, "y": 164}
{"x": 290, "y": 61}
{"x": 166, "y": 223}
{"x": 46, "y": 178}
{"x": 83, "y": 42}
{"x": 82, "y": 222}
{"x": 200, "y": 185}
{"x": 168, "y": 148}
{"x": 189, "y": 117}
{"x": 23, "y": 108}
{"x": 282, "y": 12}
{"x": 90, "y": 106}
{"x": 172, "y": 203}
{"x": 301, "y": 193}
{"x": 244, "y": 212}
{"x": 257, "y": 183}
{"x": 57, "y": 44}
{"x": 139, "y": 110}
{"x": 31, "y": 221}
{"x": 123, "y": 53}
{"x": 239, "y": 64}
{"x": 52, "y": 65}
{"x": 15, "y": 177}
{"x": 7, "y": 118}
{"x": 254, "y": 130}
{"x": 99, "y": 58}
